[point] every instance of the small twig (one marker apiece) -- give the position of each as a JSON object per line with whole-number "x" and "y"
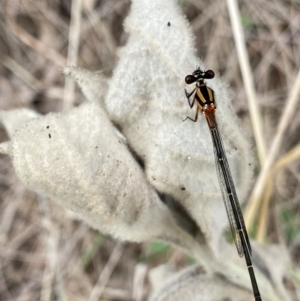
{"x": 264, "y": 214}
{"x": 107, "y": 272}
{"x": 52, "y": 270}
{"x": 51, "y": 262}
{"x": 37, "y": 45}
{"x": 118, "y": 294}
{"x": 140, "y": 273}
{"x": 77, "y": 237}
{"x": 22, "y": 73}
{"x": 9, "y": 216}
{"x": 74, "y": 39}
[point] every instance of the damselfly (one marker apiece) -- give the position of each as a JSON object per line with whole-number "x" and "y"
{"x": 205, "y": 102}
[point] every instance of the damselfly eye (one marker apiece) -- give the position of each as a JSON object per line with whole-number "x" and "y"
{"x": 189, "y": 79}
{"x": 209, "y": 74}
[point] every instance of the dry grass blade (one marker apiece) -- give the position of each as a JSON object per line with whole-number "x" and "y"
{"x": 287, "y": 115}
{"x": 106, "y": 273}
{"x": 285, "y": 160}
{"x": 74, "y": 39}
{"x": 140, "y": 274}
{"x": 255, "y": 114}
{"x": 38, "y": 46}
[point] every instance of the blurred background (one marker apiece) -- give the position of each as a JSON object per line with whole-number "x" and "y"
{"x": 45, "y": 254}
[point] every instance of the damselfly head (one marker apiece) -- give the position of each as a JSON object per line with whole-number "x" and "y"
{"x": 189, "y": 79}
{"x": 199, "y": 75}
{"x": 209, "y": 74}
